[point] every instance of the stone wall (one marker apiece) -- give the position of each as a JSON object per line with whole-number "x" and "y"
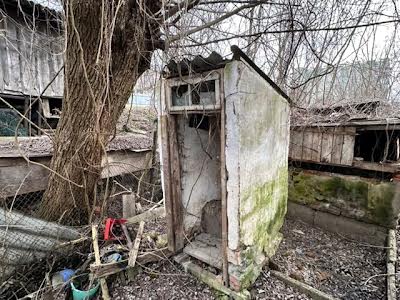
{"x": 368, "y": 200}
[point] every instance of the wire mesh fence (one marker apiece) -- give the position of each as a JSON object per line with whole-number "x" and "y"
{"x": 30, "y": 247}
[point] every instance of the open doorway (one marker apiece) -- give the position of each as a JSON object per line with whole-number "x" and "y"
{"x": 198, "y": 140}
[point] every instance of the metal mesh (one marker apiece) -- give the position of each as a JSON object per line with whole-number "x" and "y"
{"x": 30, "y": 247}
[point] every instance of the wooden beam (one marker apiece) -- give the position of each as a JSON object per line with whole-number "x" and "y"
{"x": 378, "y": 167}
{"x": 302, "y": 287}
{"x": 167, "y": 180}
{"x": 176, "y": 184}
{"x": 224, "y": 205}
{"x": 20, "y": 177}
{"x": 209, "y": 278}
{"x": 103, "y": 283}
{"x": 105, "y": 270}
{"x": 364, "y": 165}
{"x": 148, "y": 215}
{"x": 134, "y": 251}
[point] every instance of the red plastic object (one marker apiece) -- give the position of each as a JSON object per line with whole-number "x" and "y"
{"x": 109, "y": 230}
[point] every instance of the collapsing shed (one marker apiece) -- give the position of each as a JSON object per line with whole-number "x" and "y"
{"x": 224, "y": 144}
{"x": 345, "y": 175}
{"x": 31, "y": 67}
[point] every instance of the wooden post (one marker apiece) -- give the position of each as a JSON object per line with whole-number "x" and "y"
{"x": 134, "y": 251}
{"x": 40, "y": 115}
{"x": 26, "y": 107}
{"x": 166, "y": 181}
{"x": 176, "y": 184}
{"x": 154, "y": 152}
{"x": 128, "y": 206}
{"x": 391, "y": 258}
{"x": 103, "y": 283}
{"x": 224, "y": 210}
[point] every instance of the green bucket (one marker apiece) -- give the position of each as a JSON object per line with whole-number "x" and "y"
{"x": 84, "y": 295}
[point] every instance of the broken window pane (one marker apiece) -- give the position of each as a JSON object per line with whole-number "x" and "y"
{"x": 180, "y": 95}
{"x": 199, "y": 121}
{"x": 203, "y": 93}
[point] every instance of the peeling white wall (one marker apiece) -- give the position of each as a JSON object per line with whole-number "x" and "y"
{"x": 256, "y": 153}
{"x": 232, "y": 153}
{"x": 200, "y": 174}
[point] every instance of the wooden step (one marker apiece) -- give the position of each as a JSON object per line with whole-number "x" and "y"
{"x": 206, "y": 248}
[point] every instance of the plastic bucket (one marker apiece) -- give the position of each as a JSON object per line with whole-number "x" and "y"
{"x": 84, "y": 295}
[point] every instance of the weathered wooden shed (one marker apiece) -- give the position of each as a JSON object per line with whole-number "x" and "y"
{"x": 31, "y": 65}
{"x": 224, "y": 128}
{"x": 345, "y": 176}
{"x": 370, "y": 144}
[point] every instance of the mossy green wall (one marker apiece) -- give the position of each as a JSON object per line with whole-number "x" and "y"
{"x": 364, "y": 199}
{"x": 263, "y": 211}
{"x": 263, "y": 167}
{"x": 257, "y": 142}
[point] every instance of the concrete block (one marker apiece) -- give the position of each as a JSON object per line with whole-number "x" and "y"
{"x": 326, "y": 221}
{"x": 350, "y": 228}
{"x": 300, "y": 212}
{"x": 360, "y": 231}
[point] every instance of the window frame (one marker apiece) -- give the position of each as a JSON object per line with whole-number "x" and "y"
{"x": 190, "y": 81}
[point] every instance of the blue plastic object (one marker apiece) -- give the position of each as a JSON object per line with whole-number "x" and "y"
{"x": 66, "y": 274}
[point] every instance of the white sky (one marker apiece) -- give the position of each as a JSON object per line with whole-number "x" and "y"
{"x": 52, "y": 4}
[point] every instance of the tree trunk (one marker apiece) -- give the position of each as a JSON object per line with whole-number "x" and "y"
{"x": 107, "y": 49}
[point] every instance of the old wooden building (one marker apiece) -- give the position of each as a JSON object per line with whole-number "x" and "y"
{"x": 345, "y": 176}
{"x": 31, "y": 67}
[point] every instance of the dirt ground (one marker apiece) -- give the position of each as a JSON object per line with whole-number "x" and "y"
{"x": 331, "y": 263}
{"x": 324, "y": 260}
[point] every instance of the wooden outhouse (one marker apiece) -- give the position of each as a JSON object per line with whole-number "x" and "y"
{"x": 224, "y": 140}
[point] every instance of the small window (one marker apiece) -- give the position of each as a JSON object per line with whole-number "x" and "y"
{"x": 203, "y": 93}
{"x": 194, "y": 94}
{"x": 180, "y": 95}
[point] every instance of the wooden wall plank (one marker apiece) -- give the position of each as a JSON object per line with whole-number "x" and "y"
{"x": 348, "y": 146}
{"x": 296, "y": 144}
{"x": 337, "y": 145}
{"x": 3, "y": 51}
{"x": 167, "y": 181}
{"x": 326, "y": 146}
{"x": 307, "y": 145}
{"x": 14, "y": 83}
{"x": 25, "y": 58}
{"x": 175, "y": 170}
{"x": 316, "y": 147}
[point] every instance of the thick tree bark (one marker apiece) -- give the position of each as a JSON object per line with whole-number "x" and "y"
{"x": 107, "y": 49}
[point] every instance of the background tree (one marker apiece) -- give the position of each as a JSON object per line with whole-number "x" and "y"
{"x": 110, "y": 44}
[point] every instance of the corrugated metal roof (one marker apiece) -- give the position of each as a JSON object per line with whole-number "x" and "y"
{"x": 197, "y": 65}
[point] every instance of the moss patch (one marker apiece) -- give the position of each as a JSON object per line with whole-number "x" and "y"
{"x": 349, "y": 194}
{"x": 263, "y": 211}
